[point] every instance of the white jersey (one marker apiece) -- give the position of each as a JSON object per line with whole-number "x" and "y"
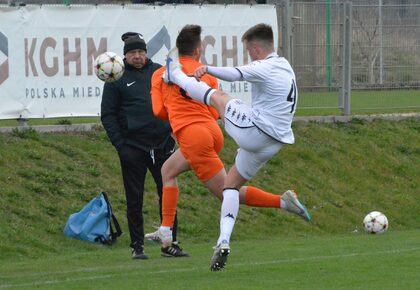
{"x": 274, "y": 96}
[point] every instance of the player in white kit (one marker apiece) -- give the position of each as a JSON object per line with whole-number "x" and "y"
{"x": 259, "y": 129}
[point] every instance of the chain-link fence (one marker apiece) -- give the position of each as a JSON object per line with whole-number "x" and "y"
{"x": 317, "y": 53}
{"x": 385, "y": 54}
{"x": 386, "y": 57}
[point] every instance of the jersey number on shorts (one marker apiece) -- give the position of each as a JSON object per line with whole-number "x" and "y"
{"x": 292, "y": 96}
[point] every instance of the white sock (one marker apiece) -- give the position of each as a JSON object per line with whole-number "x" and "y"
{"x": 166, "y": 231}
{"x": 197, "y": 90}
{"x": 228, "y": 213}
{"x": 282, "y": 204}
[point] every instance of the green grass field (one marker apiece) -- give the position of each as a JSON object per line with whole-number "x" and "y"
{"x": 341, "y": 171}
{"x": 351, "y": 261}
{"x": 362, "y": 102}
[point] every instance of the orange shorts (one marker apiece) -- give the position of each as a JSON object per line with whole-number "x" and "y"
{"x": 200, "y": 143}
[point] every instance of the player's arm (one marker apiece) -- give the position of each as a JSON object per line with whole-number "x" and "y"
{"x": 256, "y": 71}
{"x": 229, "y": 74}
{"x": 158, "y": 107}
{"x": 111, "y": 99}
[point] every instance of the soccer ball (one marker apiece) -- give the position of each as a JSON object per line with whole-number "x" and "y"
{"x": 109, "y": 66}
{"x": 375, "y": 222}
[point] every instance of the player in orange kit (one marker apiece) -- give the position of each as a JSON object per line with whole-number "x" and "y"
{"x": 199, "y": 137}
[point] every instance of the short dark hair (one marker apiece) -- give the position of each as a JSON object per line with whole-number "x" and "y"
{"x": 189, "y": 38}
{"x": 260, "y": 32}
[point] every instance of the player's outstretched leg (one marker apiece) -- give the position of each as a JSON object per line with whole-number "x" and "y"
{"x": 293, "y": 205}
{"x": 220, "y": 255}
{"x": 172, "y": 64}
{"x": 173, "y": 74}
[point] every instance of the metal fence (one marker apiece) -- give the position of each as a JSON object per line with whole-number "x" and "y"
{"x": 386, "y": 46}
{"x": 384, "y": 43}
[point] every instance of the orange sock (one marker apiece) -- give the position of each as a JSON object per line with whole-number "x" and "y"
{"x": 259, "y": 198}
{"x": 169, "y": 204}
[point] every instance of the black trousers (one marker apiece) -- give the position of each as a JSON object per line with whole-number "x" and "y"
{"x": 134, "y": 164}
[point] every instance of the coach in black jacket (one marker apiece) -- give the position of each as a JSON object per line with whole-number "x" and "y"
{"x": 141, "y": 140}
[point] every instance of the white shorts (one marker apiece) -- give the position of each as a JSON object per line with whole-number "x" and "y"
{"x": 255, "y": 147}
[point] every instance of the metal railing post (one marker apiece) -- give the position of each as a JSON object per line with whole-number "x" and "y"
{"x": 287, "y": 30}
{"x": 345, "y": 92}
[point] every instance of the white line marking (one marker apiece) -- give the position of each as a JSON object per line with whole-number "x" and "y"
{"x": 178, "y": 270}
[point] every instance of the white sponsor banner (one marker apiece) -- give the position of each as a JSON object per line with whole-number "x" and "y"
{"x": 47, "y": 52}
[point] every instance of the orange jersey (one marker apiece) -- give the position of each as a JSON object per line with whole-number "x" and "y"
{"x": 194, "y": 124}
{"x": 169, "y": 103}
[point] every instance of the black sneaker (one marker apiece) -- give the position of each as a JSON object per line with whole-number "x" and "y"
{"x": 138, "y": 253}
{"x": 173, "y": 251}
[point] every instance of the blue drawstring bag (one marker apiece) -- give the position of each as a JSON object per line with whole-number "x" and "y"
{"x": 94, "y": 223}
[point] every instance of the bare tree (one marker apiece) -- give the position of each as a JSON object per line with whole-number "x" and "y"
{"x": 366, "y": 37}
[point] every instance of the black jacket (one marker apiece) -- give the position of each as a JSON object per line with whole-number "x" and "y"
{"x": 126, "y": 111}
